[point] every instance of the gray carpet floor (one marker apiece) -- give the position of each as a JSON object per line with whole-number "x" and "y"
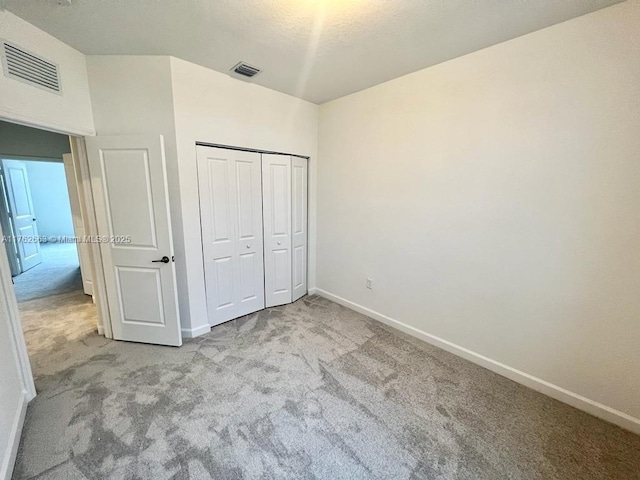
{"x": 309, "y": 390}
{"x": 58, "y": 273}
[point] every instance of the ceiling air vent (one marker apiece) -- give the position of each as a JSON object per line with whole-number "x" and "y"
{"x": 245, "y": 70}
{"x": 29, "y": 68}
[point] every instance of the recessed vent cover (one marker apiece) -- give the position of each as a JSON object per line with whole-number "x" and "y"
{"x": 29, "y": 68}
{"x": 245, "y": 70}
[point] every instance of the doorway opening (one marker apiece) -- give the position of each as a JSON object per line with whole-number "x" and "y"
{"x": 44, "y": 236}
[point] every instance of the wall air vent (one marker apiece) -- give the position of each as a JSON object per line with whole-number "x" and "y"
{"x": 245, "y": 70}
{"x": 27, "y": 67}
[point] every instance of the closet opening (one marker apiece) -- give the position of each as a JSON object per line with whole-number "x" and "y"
{"x": 253, "y": 218}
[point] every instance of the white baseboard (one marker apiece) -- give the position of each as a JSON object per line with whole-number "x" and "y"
{"x": 570, "y": 398}
{"x": 9, "y": 459}
{"x": 101, "y": 329}
{"x": 195, "y": 332}
{"x": 312, "y": 291}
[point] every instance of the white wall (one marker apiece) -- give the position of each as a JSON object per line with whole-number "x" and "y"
{"x": 50, "y": 197}
{"x": 215, "y": 108}
{"x": 25, "y": 104}
{"x": 494, "y": 201}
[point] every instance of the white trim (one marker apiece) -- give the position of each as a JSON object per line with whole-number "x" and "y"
{"x": 13, "y": 116}
{"x": 9, "y": 460}
{"x": 81, "y": 165}
{"x": 15, "y": 327}
{"x": 563, "y": 395}
{"x": 78, "y": 215}
{"x": 195, "y": 332}
{"x": 313, "y": 291}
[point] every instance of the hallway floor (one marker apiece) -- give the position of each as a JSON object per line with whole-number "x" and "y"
{"x": 308, "y": 390}
{"x": 58, "y": 273}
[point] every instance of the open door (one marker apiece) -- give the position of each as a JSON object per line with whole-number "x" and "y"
{"x": 129, "y": 183}
{"x": 22, "y": 215}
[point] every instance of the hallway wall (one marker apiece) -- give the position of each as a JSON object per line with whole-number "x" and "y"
{"x": 50, "y": 198}
{"x": 32, "y": 142}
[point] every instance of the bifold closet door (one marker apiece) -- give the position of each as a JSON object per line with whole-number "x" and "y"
{"x": 299, "y": 226}
{"x": 231, "y": 218}
{"x": 276, "y": 202}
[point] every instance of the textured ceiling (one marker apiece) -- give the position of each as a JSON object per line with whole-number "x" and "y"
{"x": 314, "y": 49}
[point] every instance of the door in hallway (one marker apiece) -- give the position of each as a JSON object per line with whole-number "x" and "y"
{"x": 22, "y": 215}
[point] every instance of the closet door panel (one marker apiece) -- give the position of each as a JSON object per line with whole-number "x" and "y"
{"x": 249, "y": 288}
{"x": 248, "y": 185}
{"x": 220, "y": 201}
{"x": 250, "y": 243}
{"x": 299, "y": 226}
{"x": 221, "y": 277}
{"x": 216, "y": 203}
{"x": 231, "y": 220}
{"x": 276, "y": 189}
{"x": 281, "y": 270}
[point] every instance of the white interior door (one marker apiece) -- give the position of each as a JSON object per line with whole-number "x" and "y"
{"x": 231, "y": 220}
{"x": 129, "y": 183}
{"x": 79, "y": 229}
{"x": 299, "y": 226}
{"x": 276, "y": 190}
{"x": 23, "y": 217}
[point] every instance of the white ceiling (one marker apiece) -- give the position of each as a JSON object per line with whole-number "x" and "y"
{"x": 318, "y": 50}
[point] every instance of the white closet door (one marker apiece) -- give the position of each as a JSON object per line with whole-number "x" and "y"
{"x": 231, "y": 217}
{"x": 299, "y": 226}
{"x": 276, "y": 190}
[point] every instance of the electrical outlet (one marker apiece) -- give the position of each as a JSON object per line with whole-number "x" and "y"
{"x": 369, "y": 284}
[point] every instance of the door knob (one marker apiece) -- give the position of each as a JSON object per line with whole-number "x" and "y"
{"x": 164, "y": 259}
{"x": 248, "y": 246}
